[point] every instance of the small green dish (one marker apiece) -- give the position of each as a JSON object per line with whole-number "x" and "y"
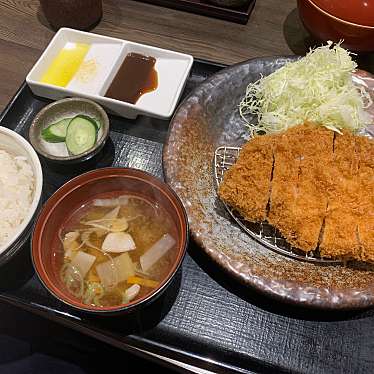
{"x": 58, "y": 110}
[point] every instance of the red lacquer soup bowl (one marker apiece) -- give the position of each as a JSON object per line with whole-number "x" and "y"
{"x": 79, "y": 192}
{"x": 350, "y": 20}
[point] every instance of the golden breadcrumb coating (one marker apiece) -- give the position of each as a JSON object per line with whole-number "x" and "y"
{"x": 246, "y": 185}
{"x": 315, "y": 186}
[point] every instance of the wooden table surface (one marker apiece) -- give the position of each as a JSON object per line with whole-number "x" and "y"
{"x": 24, "y": 33}
{"x": 274, "y": 28}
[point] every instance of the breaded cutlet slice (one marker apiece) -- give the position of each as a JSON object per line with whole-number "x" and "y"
{"x": 340, "y": 233}
{"x": 316, "y": 148}
{"x": 298, "y": 202}
{"x": 365, "y": 151}
{"x": 246, "y": 185}
{"x": 339, "y": 236}
{"x": 366, "y": 238}
{"x": 284, "y": 185}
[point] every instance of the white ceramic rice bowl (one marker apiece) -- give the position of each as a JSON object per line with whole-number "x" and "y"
{"x": 15, "y": 144}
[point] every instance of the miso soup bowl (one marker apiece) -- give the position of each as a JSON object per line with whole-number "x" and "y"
{"x": 349, "y": 20}
{"x": 81, "y": 190}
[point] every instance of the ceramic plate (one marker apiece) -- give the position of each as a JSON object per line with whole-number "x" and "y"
{"x": 207, "y": 119}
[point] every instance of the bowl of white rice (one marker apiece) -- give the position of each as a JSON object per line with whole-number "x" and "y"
{"x": 21, "y": 181}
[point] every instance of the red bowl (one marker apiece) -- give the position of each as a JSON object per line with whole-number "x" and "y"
{"x": 351, "y": 21}
{"x": 83, "y": 189}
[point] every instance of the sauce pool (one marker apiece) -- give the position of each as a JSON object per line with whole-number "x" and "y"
{"x": 135, "y": 77}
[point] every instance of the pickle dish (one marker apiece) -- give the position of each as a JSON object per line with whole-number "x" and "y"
{"x": 70, "y": 130}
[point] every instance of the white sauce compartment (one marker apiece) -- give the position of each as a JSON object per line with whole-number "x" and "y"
{"x": 99, "y": 67}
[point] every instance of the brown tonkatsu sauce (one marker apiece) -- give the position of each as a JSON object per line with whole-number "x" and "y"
{"x": 135, "y": 77}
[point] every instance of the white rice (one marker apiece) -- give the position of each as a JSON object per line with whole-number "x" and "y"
{"x": 16, "y": 193}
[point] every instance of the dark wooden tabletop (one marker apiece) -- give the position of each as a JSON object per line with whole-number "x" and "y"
{"x": 273, "y": 29}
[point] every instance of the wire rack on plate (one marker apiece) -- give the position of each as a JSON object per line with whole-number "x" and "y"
{"x": 267, "y": 235}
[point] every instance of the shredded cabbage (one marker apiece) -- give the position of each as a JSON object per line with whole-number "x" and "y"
{"x": 317, "y": 88}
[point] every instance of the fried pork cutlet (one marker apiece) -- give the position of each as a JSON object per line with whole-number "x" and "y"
{"x": 315, "y": 186}
{"x": 340, "y": 231}
{"x": 284, "y": 185}
{"x": 365, "y": 152}
{"x": 246, "y": 184}
{"x": 297, "y": 202}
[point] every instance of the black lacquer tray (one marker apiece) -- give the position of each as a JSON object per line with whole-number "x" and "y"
{"x": 237, "y": 15}
{"x": 204, "y": 320}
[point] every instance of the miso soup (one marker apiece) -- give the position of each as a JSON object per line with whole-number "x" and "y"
{"x": 116, "y": 250}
